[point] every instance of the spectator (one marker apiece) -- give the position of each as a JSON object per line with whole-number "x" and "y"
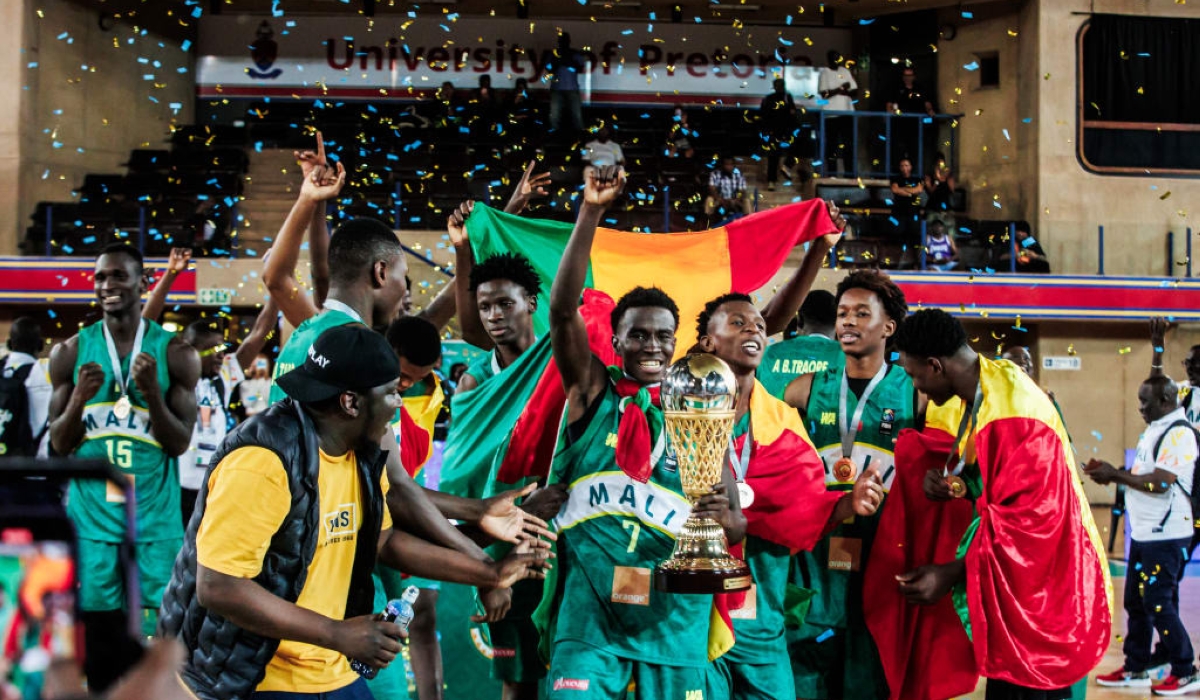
{"x": 914, "y": 101}
{"x": 939, "y": 186}
{"x": 910, "y": 98}
{"x": 523, "y": 118}
{"x": 219, "y": 377}
{"x": 1031, "y": 259}
{"x": 941, "y": 253}
{"x": 448, "y": 112}
{"x": 906, "y": 193}
{"x": 1160, "y": 516}
{"x": 565, "y": 66}
{"x": 727, "y": 190}
{"x": 602, "y": 151}
{"x": 777, "y": 115}
{"x": 837, "y": 87}
{"x": 457, "y": 370}
{"x": 483, "y": 109}
{"x": 24, "y": 392}
{"x": 681, "y": 137}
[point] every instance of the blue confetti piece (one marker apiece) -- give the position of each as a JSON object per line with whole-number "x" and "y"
{"x": 197, "y": 12}
{"x": 52, "y": 313}
{"x": 865, "y": 22}
{"x": 1096, "y": 434}
{"x": 187, "y": 44}
{"x": 68, "y": 249}
{"x": 973, "y": 65}
{"x": 895, "y": 357}
{"x": 1006, "y": 136}
{"x": 827, "y": 633}
{"x": 968, "y": 15}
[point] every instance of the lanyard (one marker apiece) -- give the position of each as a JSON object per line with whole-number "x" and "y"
{"x": 968, "y": 418}
{"x": 335, "y": 305}
{"x": 122, "y": 380}
{"x": 741, "y": 465}
{"x": 850, "y": 429}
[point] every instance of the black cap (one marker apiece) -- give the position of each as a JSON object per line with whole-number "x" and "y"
{"x": 344, "y": 358}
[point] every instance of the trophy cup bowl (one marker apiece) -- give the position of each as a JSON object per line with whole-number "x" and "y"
{"x": 699, "y": 395}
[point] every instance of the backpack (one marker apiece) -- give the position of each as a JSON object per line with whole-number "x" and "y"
{"x": 1194, "y": 496}
{"x": 16, "y": 437}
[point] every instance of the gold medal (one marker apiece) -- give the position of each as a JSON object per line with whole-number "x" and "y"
{"x": 745, "y": 494}
{"x": 958, "y": 487}
{"x": 122, "y": 407}
{"x": 845, "y": 470}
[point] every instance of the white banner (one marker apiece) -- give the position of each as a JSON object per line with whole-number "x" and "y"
{"x": 627, "y": 61}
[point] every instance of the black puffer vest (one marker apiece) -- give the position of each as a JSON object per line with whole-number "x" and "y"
{"x": 224, "y": 661}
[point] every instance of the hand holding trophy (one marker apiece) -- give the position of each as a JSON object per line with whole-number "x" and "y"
{"x": 699, "y": 394}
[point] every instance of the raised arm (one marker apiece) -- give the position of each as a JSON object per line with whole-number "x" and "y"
{"x": 441, "y": 309}
{"x": 1158, "y": 336}
{"x": 264, "y": 326}
{"x": 318, "y": 254}
{"x": 172, "y": 413}
{"x": 580, "y": 372}
{"x": 176, "y": 264}
{"x": 464, "y": 261}
{"x": 279, "y": 272}
{"x": 786, "y": 302}
{"x": 529, "y": 186}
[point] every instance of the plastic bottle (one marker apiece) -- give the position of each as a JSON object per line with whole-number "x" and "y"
{"x": 400, "y": 612}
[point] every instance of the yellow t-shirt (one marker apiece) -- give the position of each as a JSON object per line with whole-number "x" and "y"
{"x": 248, "y": 499}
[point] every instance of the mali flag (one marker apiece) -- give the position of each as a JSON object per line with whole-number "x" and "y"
{"x": 791, "y": 504}
{"x": 1038, "y": 588}
{"x": 507, "y": 433}
{"x": 924, "y": 650}
{"x": 693, "y": 268}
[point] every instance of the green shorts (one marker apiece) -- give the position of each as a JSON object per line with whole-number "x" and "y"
{"x": 102, "y": 583}
{"x": 582, "y": 672}
{"x": 515, "y": 651}
{"x": 846, "y": 664}
{"x": 740, "y": 681}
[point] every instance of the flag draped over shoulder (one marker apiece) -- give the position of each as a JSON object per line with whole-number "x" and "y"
{"x": 482, "y": 423}
{"x": 1038, "y": 588}
{"x": 692, "y": 268}
{"x": 791, "y": 505}
{"x": 924, "y": 650}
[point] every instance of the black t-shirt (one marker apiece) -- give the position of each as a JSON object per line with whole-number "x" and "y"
{"x": 912, "y": 100}
{"x": 904, "y": 203}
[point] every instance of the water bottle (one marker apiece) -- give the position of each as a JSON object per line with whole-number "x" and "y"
{"x": 398, "y": 611}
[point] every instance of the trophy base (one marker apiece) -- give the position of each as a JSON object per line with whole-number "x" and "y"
{"x": 718, "y": 576}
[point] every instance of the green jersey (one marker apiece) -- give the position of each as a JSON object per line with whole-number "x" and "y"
{"x": 295, "y": 350}
{"x": 98, "y": 507}
{"x": 484, "y": 368}
{"x": 758, "y": 624}
{"x": 807, "y": 354}
{"x": 613, "y": 531}
{"x": 836, "y": 564}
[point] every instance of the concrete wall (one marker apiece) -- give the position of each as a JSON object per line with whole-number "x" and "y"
{"x": 91, "y": 97}
{"x": 1071, "y": 201}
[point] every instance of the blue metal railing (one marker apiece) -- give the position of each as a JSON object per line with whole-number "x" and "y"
{"x": 919, "y": 123}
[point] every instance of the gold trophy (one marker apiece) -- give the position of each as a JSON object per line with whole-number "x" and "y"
{"x": 699, "y": 394}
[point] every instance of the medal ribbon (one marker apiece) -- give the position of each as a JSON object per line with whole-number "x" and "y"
{"x": 741, "y": 465}
{"x": 969, "y": 418}
{"x": 122, "y": 380}
{"x": 850, "y": 430}
{"x": 335, "y": 305}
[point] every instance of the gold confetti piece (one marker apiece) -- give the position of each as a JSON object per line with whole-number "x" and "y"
{"x": 1165, "y": 195}
{"x": 1141, "y": 91}
{"x": 1125, "y": 350}
{"x": 1071, "y": 350}
{"x": 1046, "y": 76}
{"x": 1012, "y": 32}
{"x": 978, "y": 112}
